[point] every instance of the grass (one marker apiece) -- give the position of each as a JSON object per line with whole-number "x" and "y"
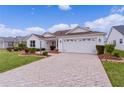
{"x": 115, "y": 73}
{"x": 11, "y": 60}
{"x": 121, "y": 53}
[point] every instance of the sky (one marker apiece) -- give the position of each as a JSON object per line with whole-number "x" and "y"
{"x": 23, "y": 20}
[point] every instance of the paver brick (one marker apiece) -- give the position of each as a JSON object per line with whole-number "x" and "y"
{"x": 61, "y": 70}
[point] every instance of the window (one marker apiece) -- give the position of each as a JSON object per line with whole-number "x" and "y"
{"x": 99, "y": 40}
{"x": 88, "y": 39}
{"x": 67, "y": 40}
{"x": 32, "y": 43}
{"x": 93, "y": 39}
{"x": 52, "y": 42}
{"x": 121, "y": 41}
{"x": 84, "y": 39}
{"x": 80, "y": 40}
{"x": 10, "y": 44}
{"x": 114, "y": 42}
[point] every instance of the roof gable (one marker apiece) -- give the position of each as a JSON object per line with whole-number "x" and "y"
{"x": 48, "y": 34}
{"x": 61, "y": 33}
{"x": 34, "y": 35}
{"x": 78, "y": 29}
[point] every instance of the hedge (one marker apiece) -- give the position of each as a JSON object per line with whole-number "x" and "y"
{"x": 100, "y": 49}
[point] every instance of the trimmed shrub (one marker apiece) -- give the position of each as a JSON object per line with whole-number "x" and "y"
{"x": 9, "y": 49}
{"x": 22, "y": 46}
{"x": 37, "y": 49}
{"x": 27, "y": 50}
{"x": 32, "y": 50}
{"x": 19, "y": 49}
{"x": 100, "y": 49}
{"x": 45, "y": 53}
{"x": 43, "y": 49}
{"x": 109, "y": 48}
{"x": 16, "y": 49}
{"x": 116, "y": 54}
{"x": 52, "y": 47}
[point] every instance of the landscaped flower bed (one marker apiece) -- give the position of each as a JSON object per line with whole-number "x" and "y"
{"x": 108, "y": 53}
{"x": 108, "y": 57}
{"x": 39, "y": 54}
{"x": 113, "y": 62}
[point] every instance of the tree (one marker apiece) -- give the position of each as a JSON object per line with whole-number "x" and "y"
{"x": 22, "y": 46}
{"x": 109, "y": 48}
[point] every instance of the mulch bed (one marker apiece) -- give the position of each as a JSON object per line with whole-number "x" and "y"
{"x": 33, "y": 54}
{"x": 54, "y": 51}
{"x": 110, "y": 58}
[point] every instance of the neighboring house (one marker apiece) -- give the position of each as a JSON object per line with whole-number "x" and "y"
{"x": 20, "y": 39}
{"x": 7, "y": 42}
{"x": 77, "y": 40}
{"x": 116, "y": 36}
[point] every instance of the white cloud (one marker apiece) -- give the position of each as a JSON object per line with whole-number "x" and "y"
{"x": 105, "y": 23}
{"x": 36, "y": 30}
{"x": 73, "y": 25}
{"x": 32, "y": 11}
{"x": 61, "y": 27}
{"x": 117, "y": 10}
{"x": 64, "y": 7}
{"x": 2, "y": 26}
{"x": 7, "y": 31}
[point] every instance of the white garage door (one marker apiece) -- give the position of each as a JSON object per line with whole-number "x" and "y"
{"x": 84, "y": 45}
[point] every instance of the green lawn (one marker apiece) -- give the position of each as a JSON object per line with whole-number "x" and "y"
{"x": 11, "y": 60}
{"x": 121, "y": 53}
{"x": 115, "y": 71}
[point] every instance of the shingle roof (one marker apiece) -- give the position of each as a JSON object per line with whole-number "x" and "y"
{"x": 8, "y": 39}
{"x": 52, "y": 35}
{"x": 64, "y": 33}
{"x": 119, "y": 28}
{"x": 83, "y": 33}
{"x": 13, "y": 39}
{"x": 39, "y": 36}
{"x": 21, "y": 38}
{"x": 61, "y": 33}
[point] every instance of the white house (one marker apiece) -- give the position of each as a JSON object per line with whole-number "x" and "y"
{"x": 77, "y": 40}
{"x": 116, "y": 36}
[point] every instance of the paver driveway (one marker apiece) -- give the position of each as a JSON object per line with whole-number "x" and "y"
{"x": 65, "y": 69}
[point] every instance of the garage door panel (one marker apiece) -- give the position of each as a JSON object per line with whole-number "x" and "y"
{"x": 79, "y": 46}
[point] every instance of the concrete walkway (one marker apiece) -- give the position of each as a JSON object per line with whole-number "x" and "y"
{"x": 62, "y": 70}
